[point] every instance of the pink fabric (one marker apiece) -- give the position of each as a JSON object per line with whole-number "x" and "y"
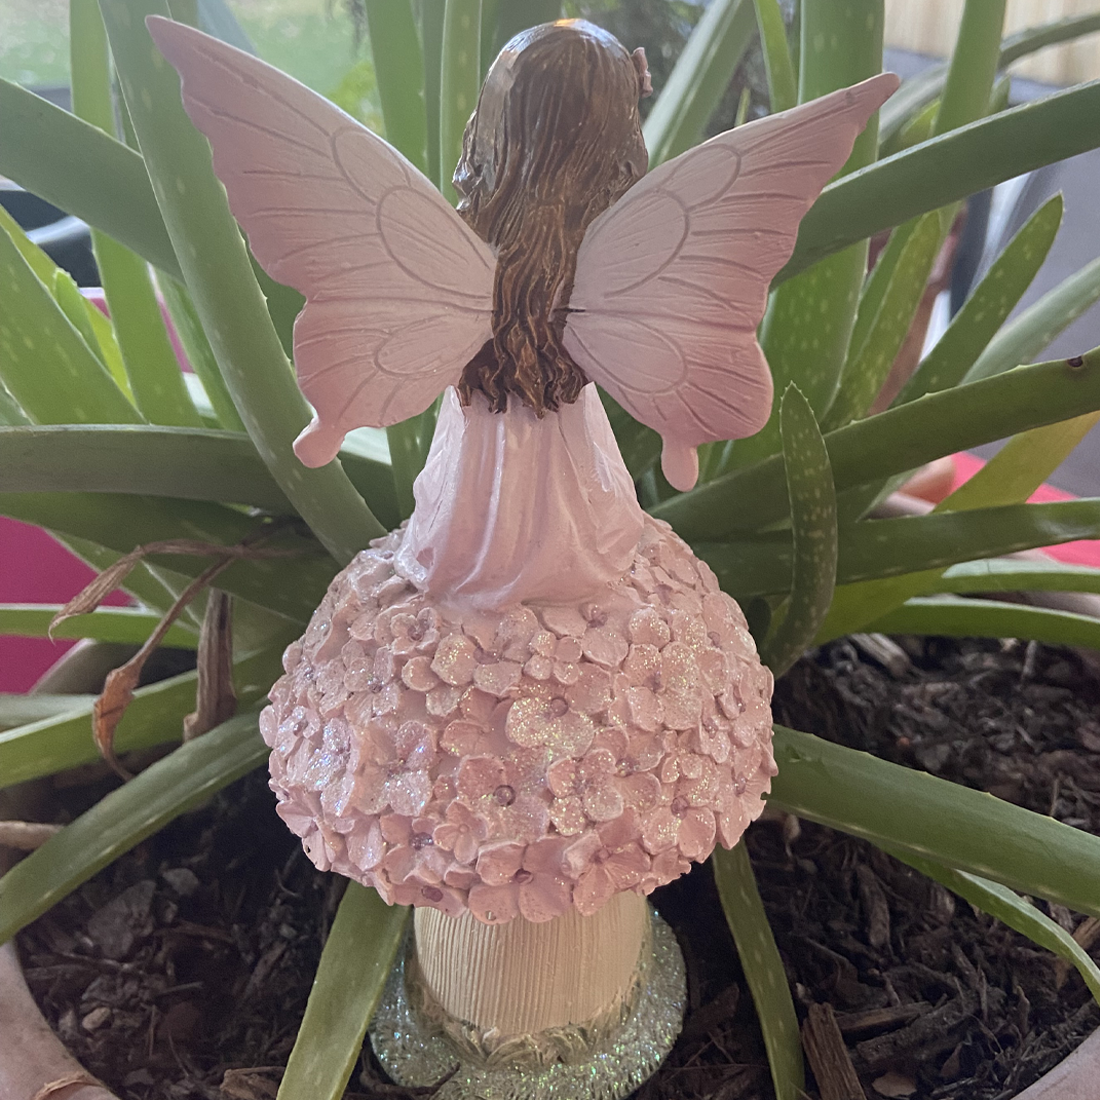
{"x": 34, "y": 569}
{"x": 505, "y": 499}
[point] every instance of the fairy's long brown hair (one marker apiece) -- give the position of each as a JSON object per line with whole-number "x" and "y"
{"x": 556, "y": 138}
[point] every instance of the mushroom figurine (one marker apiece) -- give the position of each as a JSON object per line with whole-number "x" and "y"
{"x": 531, "y": 705}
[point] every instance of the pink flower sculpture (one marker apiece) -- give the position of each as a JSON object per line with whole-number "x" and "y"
{"x": 569, "y": 752}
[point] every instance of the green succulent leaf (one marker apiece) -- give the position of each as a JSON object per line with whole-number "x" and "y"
{"x": 125, "y": 817}
{"x": 21, "y": 710}
{"x": 355, "y": 963}
{"x": 188, "y": 463}
{"x": 44, "y": 362}
{"x": 1021, "y": 465}
{"x": 813, "y": 533}
{"x": 1031, "y": 39}
{"x": 82, "y": 171}
{"x": 912, "y": 99}
{"x": 431, "y": 41}
{"x": 128, "y": 625}
{"x": 460, "y": 81}
{"x": 782, "y": 81}
{"x": 37, "y": 260}
{"x": 1027, "y": 334}
{"x": 399, "y": 68}
{"x": 85, "y": 317}
{"x": 913, "y": 813}
{"x": 1014, "y": 473}
{"x": 918, "y": 91}
{"x": 639, "y": 445}
{"x": 876, "y": 285}
{"x": 290, "y": 586}
{"x": 155, "y": 717}
{"x": 75, "y": 307}
{"x": 989, "y": 304}
{"x": 1011, "y": 909}
{"x": 958, "y": 617}
{"x": 916, "y": 129}
{"x": 973, "y": 65}
{"x": 948, "y": 362}
{"x": 106, "y": 345}
{"x": 154, "y": 375}
{"x": 200, "y": 355}
{"x": 946, "y": 169}
{"x": 193, "y": 463}
{"x": 406, "y": 461}
{"x": 873, "y": 549}
{"x": 902, "y": 438}
{"x": 809, "y": 320}
{"x": 10, "y": 412}
{"x": 1001, "y": 575}
{"x": 698, "y": 80}
{"x": 767, "y": 980}
{"x": 892, "y": 299}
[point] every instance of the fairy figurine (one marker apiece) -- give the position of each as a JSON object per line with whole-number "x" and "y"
{"x": 532, "y": 704}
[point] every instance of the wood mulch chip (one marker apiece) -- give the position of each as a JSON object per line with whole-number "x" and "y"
{"x": 181, "y": 971}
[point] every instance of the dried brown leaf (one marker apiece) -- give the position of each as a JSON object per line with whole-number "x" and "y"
{"x": 97, "y": 590}
{"x": 108, "y": 709}
{"x": 118, "y": 691}
{"x": 216, "y": 698}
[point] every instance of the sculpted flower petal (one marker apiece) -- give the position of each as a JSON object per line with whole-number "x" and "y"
{"x": 479, "y": 776}
{"x": 498, "y": 863}
{"x": 601, "y": 800}
{"x": 494, "y": 904}
{"x": 660, "y": 830}
{"x": 593, "y": 890}
{"x": 543, "y": 897}
{"x": 696, "y": 834}
{"x": 627, "y": 866}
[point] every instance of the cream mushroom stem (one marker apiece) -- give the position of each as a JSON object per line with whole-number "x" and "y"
{"x": 523, "y": 984}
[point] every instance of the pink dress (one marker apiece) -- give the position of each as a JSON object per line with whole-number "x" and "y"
{"x": 511, "y": 508}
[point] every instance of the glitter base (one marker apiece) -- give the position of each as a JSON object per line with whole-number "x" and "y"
{"x": 414, "y": 1055}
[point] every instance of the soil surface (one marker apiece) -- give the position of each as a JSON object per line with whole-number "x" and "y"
{"x": 181, "y": 971}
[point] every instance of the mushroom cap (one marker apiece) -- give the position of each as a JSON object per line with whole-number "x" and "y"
{"x": 521, "y": 762}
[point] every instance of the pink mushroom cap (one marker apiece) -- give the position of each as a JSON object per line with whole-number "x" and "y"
{"x": 522, "y": 762}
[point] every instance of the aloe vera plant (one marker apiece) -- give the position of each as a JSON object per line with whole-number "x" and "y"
{"x": 101, "y": 445}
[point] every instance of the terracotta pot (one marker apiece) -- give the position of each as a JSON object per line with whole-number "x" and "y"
{"x": 33, "y": 1063}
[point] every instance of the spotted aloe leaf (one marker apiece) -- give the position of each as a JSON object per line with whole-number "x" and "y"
{"x": 813, "y": 533}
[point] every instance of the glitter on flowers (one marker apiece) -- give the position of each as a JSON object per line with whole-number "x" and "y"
{"x": 524, "y": 762}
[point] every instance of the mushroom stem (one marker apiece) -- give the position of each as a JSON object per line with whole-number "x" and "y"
{"x": 498, "y": 984}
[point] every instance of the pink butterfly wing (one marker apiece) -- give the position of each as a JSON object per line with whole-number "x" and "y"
{"x": 398, "y": 289}
{"x": 673, "y": 279}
